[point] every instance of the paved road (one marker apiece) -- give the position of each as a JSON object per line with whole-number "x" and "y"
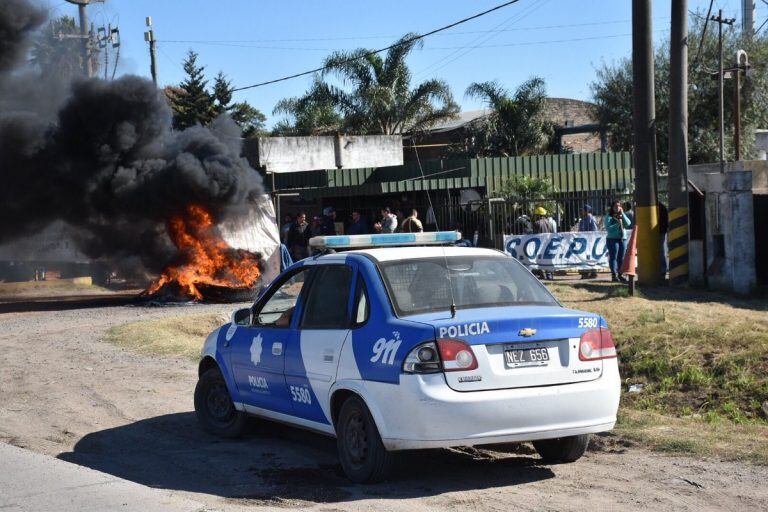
{"x": 35, "y": 482}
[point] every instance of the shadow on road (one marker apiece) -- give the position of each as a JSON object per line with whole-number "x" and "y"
{"x": 279, "y": 464}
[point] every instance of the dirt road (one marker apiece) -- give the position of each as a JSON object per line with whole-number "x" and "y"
{"x": 66, "y": 393}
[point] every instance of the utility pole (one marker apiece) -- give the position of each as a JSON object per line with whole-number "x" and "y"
{"x": 677, "y": 184}
{"x": 644, "y": 128}
{"x": 748, "y": 18}
{"x": 85, "y": 33}
{"x": 721, "y": 100}
{"x": 149, "y": 36}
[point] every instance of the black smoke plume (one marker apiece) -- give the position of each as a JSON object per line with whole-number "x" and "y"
{"x": 108, "y": 162}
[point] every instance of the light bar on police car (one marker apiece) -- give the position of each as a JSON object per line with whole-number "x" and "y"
{"x": 384, "y": 240}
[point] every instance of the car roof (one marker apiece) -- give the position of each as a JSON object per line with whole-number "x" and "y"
{"x": 406, "y": 253}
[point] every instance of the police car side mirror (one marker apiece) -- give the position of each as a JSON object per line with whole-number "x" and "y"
{"x": 241, "y": 316}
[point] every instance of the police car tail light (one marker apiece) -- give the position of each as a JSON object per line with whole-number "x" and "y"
{"x": 423, "y": 359}
{"x": 457, "y": 356}
{"x": 597, "y": 344}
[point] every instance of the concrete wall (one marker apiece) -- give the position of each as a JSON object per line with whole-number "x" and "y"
{"x": 730, "y": 230}
{"x": 294, "y": 154}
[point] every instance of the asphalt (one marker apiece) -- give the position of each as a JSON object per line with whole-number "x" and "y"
{"x": 35, "y": 482}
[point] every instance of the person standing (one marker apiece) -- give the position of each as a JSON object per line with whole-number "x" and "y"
{"x": 388, "y": 221}
{"x": 587, "y": 224}
{"x": 412, "y": 224}
{"x": 329, "y": 221}
{"x": 297, "y": 237}
{"x": 628, "y": 211}
{"x": 359, "y": 226}
{"x": 663, "y": 228}
{"x": 616, "y": 225}
{"x": 285, "y": 228}
{"x": 541, "y": 225}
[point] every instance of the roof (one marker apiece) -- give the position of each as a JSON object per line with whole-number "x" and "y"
{"x": 405, "y": 253}
{"x": 460, "y": 120}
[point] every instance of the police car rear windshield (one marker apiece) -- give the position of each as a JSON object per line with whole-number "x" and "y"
{"x": 424, "y": 285}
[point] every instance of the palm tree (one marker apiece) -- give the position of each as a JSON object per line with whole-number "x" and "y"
{"x": 374, "y": 94}
{"x": 517, "y": 125}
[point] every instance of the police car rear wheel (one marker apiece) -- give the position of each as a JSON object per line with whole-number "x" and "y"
{"x": 214, "y": 407}
{"x": 361, "y": 452}
{"x": 564, "y": 449}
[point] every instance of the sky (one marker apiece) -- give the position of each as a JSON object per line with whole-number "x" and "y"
{"x": 251, "y": 41}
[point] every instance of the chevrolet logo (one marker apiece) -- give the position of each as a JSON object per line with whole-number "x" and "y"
{"x": 527, "y": 332}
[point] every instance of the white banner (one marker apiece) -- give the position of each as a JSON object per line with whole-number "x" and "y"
{"x": 559, "y": 251}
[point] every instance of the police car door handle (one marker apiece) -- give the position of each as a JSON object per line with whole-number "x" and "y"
{"x": 277, "y": 348}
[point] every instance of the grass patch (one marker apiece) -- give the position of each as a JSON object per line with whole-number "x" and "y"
{"x": 693, "y": 350}
{"x": 702, "y": 358}
{"x": 180, "y": 336}
{"x": 695, "y": 436}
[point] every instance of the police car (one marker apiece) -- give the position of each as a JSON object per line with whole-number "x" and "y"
{"x": 401, "y": 343}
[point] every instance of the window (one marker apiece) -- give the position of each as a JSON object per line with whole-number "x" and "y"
{"x": 431, "y": 284}
{"x": 278, "y": 309}
{"x": 361, "y": 303}
{"x": 327, "y": 301}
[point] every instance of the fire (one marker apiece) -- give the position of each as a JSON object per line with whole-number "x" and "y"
{"x": 206, "y": 258}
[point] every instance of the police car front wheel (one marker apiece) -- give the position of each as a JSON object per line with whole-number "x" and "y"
{"x": 214, "y": 407}
{"x": 361, "y": 452}
{"x": 564, "y": 449}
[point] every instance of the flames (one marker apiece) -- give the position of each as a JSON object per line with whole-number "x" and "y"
{"x": 205, "y": 258}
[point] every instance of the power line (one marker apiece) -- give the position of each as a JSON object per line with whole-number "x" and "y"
{"x": 353, "y": 38}
{"x": 703, "y": 33}
{"x": 374, "y": 52}
{"x": 467, "y": 48}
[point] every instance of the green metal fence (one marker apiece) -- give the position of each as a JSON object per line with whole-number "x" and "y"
{"x": 582, "y": 172}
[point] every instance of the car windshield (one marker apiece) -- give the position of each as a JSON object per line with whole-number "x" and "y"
{"x": 423, "y": 285}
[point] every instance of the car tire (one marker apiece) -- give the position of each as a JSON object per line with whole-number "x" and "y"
{"x": 564, "y": 449}
{"x": 214, "y": 407}
{"x": 361, "y": 452}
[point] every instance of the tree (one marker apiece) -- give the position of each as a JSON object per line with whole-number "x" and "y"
{"x": 248, "y": 118}
{"x": 193, "y": 104}
{"x": 373, "y": 94}
{"x": 311, "y": 114}
{"x": 61, "y": 57}
{"x": 516, "y": 126}
{"x": 612, "y": 92}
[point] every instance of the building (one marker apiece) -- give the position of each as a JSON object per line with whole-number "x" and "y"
{"x": 576, "y": 129}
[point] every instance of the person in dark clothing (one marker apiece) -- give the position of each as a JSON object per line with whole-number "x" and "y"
{"x": 412, "y": 224}
{"x": 663, "y": 229}
{"x": 329, "y": 219}
{"x": 297, "y": 237}
{"x": 359, "y": 225}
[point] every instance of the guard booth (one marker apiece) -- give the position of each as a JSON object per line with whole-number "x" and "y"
{"x": 728, "y": 226}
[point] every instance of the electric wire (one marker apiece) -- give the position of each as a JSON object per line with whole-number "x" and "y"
{"x": 353, "y": 38}
{"x": 703, "y": 34}
{"x": 374, "y": 52}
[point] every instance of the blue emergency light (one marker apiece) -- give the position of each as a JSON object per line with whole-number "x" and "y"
{"x": 384, "y": 240}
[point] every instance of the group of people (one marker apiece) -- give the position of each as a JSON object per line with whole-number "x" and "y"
{"x": 297, "y": 230}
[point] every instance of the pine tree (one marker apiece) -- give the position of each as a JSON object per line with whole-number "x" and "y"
{"x": 192, "y": 104}
{"x": 248, "y": 118}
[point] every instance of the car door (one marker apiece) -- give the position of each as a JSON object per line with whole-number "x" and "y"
{"x": 312, "y": 355}
{"x": 258, "y": 350}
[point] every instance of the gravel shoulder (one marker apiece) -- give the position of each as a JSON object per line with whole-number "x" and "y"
{"x": 68, "y": 394}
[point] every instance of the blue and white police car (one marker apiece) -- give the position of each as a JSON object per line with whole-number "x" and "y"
{"x": 407, "y": 344}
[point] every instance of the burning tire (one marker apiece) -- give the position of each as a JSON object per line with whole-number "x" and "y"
{"x": 214, "y": 407}
{"x": 564, "y": 449}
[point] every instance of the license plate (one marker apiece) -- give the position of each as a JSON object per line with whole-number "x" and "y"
{"x": 527, "y": 356}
